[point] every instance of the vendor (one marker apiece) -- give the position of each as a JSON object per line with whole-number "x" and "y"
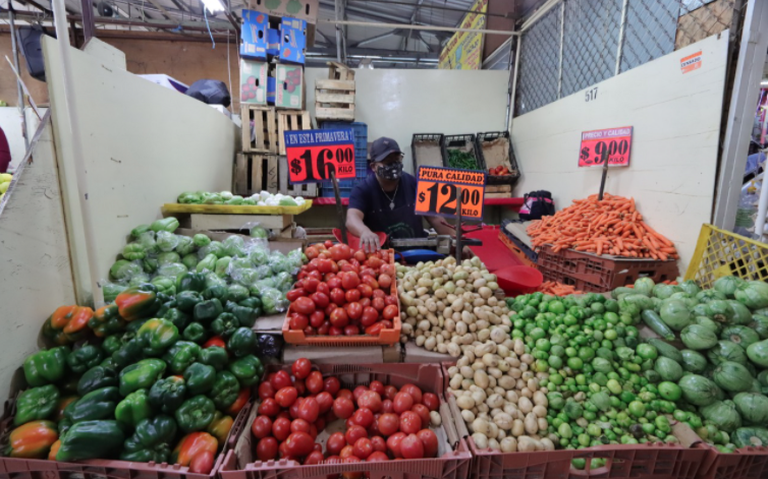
{"x": 384, "y": 201}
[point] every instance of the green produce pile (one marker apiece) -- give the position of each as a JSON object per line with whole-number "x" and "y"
{"x": 263, "y": 198}
{"x": 606, "y": 385}
{"x": 462, "y": 159}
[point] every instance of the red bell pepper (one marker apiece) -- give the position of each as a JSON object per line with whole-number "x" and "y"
{"x": 215, "y": 341}
{"x": 196, "y": 450}
{"x": 138, "y": 302}
{"x": 68, "y": 324}
{"x": 32, "y": 440}
{"x": 240, "y": 402}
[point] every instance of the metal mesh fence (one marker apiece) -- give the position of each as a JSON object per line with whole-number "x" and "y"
{"x": 578, "y": 43}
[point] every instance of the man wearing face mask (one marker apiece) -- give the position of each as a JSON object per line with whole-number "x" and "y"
{"x": 384, "y": 201}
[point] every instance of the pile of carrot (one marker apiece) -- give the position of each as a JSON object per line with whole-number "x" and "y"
{"x": 558, "y": 289}
{"x": 608, "y": 226}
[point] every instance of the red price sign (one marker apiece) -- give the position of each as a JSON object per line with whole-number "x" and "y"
{"x": 612, "y": 145}
{"x": 437, "y": 192}
{"x": 313, "y": 154}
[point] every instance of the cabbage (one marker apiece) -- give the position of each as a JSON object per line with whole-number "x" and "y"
{"x": 166, "y": 241}
{"x": 273, "y": 301}
{"x": 212, "y": 279}
{"x": 698, "y": 337}
{"x": 750, "y": 437}
{"x": 722, "y": 414}
{"x": 758, "y": 353}
{"x": 245, "y": 276}
{"x": 184, "y": 245}
{"x": 708, "y": 295}
{"x": 296, "y": 257}
{"x": 284, "y": 278}
{"x": 740, "y": 313}
{"x": 279, "y": 263}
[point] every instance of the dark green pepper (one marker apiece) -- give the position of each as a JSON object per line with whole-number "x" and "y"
{"x": 98, "y": 404}
{"x": 208, "y": 310}
{"x": 141, "y": 375}
{"x": 106, "y": 321}
{"x": 157, "y": 335}
{"x": 82, "y": 359}
{"x": 167, "y": 306}
{"x": 63, "y": 426}
{"x": 242, "y": 342}
{"x": 96, "y": 378}
{"x": 89, "y": 440}
{"x": 195, "y": 414}
{"x": 36, "y": 403}
{"x": 247, "y": 370}
{"x": 225, "y": 390}
{"x": 129, "y": 352}
{"x": 112, "y": 343}
{"x": 252, "y": 302}
{"x": 168, "y": 394}
{"x": 190, "y": 282}
{"x": 47, "y": 366}
{"x": 177, "y": 317}
{"x": 181, "y": 355}
{"x": 219, "y": 291}
{"x": 245, "y": 316}
{"x": 225, "y": 325}
{"x": 214, "y": 356}
{"x": 196, "y": 333}
{"x": 151, "y": 441}
{"x": 186, "y": 300}
{"x": 199, "y": 378}
{"x": 133, "y": 328}
{"x": 134, "y": 408}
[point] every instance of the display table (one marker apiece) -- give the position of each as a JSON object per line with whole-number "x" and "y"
{"x": 512, "y": 203}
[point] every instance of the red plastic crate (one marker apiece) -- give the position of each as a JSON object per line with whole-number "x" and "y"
{"x": 745, "y": 463}
{"x": 453, "y": 463}
{"x": 493, "y": 253}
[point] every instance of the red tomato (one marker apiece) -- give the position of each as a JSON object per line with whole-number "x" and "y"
{"x": 283, "y": 451}
{"x": 365, "y": 302}
{"x": 367, "y": 272}
{"x": 311, "y": 252}
{"x": 314, "y": 382}
{"x": 339, "y": 318}
{"x": 388, "y": 424}
{"x": 300, "y": 387}
{"x": 303, "y": 305}
{"x": 324, "y": 401}
{"x": 369, "y": 316}
{"x": 429, "y": 441}
{"x": 371, "y": 281}
{"x": 335, "y": 443}
{"x": 321, "y": 300}
{"x": 359, "y": 255}
{"x": 371, "y": 400}
{"x": 385, "y": 323}
{"x": 390, "y": 392}
{"x": 345, "y": 393}
{"x": 317, "y": 318}
{"x": 300, "y": 425}
{"x": 391, "y": 299}
{"x": 343, "y": 407}
{"x": 340, "y": 252}
{"x": 266, "y": 449}
{"x": 411, "y": 447}
{"x": 365, "y": 290}
{"x": 281, "y": 428}
{"x": 294, "y": 409}
{"x": 269, "y": 407}
{"x": 350, "y": 280}
{"x": 323, "y": 288}
{"x": 377, "y": 303}
{"x": 314, "y": 457}
{"x": 363, "y": 448}
{"x": 402, "y": 402}
{"x": 410, "y": 422}
{"x": 354, "y": 433}
{"x": 422, "y": 411}
{"x": 299, "y": 444}
{"x": 261, "y": 427}
{"x": 374, "y": 262}
{"x": 379, "y": 444}
{"x": 324, "y": 265}
{"x": 390, "y": 312}
{"x": 393, "y": 444}
{"x": 327, "y": 243}
{"x": 354, "y": 310}
{"x": 286, "y": 415}
{"x": 377, "y": 456}
{"x": 431, "y": 401}
{"x": 323, "y": 330}
{"x": 347, "y": 451}
{"x": 351, "y": 330}
{"x": 309, "y": 409}
{"x": 215, "y": 341}
{"x": 377, "y": 386}
{"x": 373, "y": 429}
{"x": 379, "y": 293}
{"x": 386, "y": 406}
{"x": 363, "y": 417}
{"x": 280, "y": 380}
{"x": 388, "y": 269}
{"x": 329, "y": 309}
{"x": 298, "y": 321}
{"x": 385, "y": 281}
{"x": 334, "y": 283}
{"x": 338, "y": 296}
{"x": 331, "y": 385}
{"x": 295, "y": 294}
{"x": 334, "y": 331}
{"x": 352, "y": 296}
{"x": 358, "y": 392}
{"x": 414, "y": 391}
{"x": 266, "y": 390}
{"x": 285, "y": 397}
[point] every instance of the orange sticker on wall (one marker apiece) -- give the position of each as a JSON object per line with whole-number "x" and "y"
{"x": 437, "y": 192}
{"x": 691, "y": 62}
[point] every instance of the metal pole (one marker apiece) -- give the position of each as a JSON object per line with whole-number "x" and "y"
{"x": 622, "y": 33}
{"x": 458, "y": 226}
{"x": 604, "y": 158}
{"x": 19, "y": 94}
{"x": 560, "y": 64}
{"x": 762, "y": 210}
{"x": 340, "y": 208}
{"x": 338, "y": 30}
{"x": 515, "y": 76}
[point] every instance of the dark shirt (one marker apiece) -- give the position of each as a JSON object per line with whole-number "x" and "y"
{"x": 400, "y": 222}
{"x": 5, "y": 152}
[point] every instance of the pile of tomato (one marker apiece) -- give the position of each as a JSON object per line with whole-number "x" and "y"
{"x": 343, "y": 292}
{"x": 382, "y": 422}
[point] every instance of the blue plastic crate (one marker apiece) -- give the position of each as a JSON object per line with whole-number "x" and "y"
{"x": 327, "y": 191}
{"x": 360, "y": 130}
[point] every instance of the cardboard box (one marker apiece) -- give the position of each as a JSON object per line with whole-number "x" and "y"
{"x": 302, "y": 9}
{"x": 253, "y": 82}
{"x": 293, "y": 40}
{"x": 417, "y": 354}
{"x": 271, "y": 90}
{"x": 335, "y": 355}
{"x": 253, "y": 35}
{"x": 289, "y": 87}
{"x": 273, "y": 41}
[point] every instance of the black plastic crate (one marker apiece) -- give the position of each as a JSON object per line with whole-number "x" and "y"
{"x": 427, "y": 150}
{"x": 498, "y": 140}
{"x": 462, "y": 143}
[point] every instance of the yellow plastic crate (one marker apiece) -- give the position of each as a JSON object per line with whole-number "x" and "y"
{"x": 177, "y": 208}
{"x": 722, "y": 253}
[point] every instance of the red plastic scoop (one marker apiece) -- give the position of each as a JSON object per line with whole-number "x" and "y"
{"x": 354, "y": 241}
{"x": 516, "y": 280}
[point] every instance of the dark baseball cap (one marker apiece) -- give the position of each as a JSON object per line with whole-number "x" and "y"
{"x": 383, "y": 147}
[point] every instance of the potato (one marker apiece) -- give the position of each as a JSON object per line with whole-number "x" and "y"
{"x": 435, "y": 419}
{"x": 480, "y": 440}
{"x": 465, "y": 401}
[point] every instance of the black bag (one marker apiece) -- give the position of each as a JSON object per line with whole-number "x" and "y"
{"x": 212, "y": 92}
{"x": 29, "y": 44}
{"x": 537, "y": 204}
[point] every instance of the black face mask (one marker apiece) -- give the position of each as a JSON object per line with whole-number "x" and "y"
{"x": 390, "y": 172}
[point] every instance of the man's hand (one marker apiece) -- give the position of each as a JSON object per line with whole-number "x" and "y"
{"x": 369, "y": 241}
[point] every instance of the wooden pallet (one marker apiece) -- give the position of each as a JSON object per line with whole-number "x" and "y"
{"x": 264, "y": 126}
{"x": 339, "y": 71}
{"x": 290, "y": 121}
{"x": 335, "y": 100}
{"x": 254, "y": 173}
{"x": 498, "y": 189}
{"x": 306, "y": 190}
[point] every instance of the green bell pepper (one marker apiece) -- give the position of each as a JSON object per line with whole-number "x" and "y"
{"x": 247, "y": 370}
{"x": 112, "y": 343}
{"x": 133, "y": 251}
{"x": 208, "y": 310}
{"x": 214, "y": 356}
{"x": 47, "y": 366}
{"x": 98, "y": 404}
{"x": 166, "y": 224}
{"x": 36, "y": 403}
{"x": 129, "y": 352}
{"x": 195, "y": 414}
{"x": 186, "y": 300}
{"x": 139, "y": 230}
{"x": 225, "y": 390}
{"x": 141, "y": 375}
{"x": 195, "y": 332}
{"x": 199, "y": 378}
{"x": 82, "y": 359}
{"x": 181, "y": 356}
{"x": 225, "y": 325}
{"x": 242, "y": 342}
{"x": 151, "y": 441}
{"x": 201, "y": 240}
{"x": 252, "y": 302}
{"x": 150, "y": 264}
{"x": 106, "y": 321}
{"x": 190, "y": 282}
{"x": 219, "y": 291}
{"x": 63, "y": 426}
{"x": 134, "y": 408}
{"x": 89, "y": 440}
{"x": 245, "y": 316}
{"x": 157, "y": 334}
{"x": 164, "y": 284}
{"x": 138, "y": 302}
{"x": 168, "y": 394}
{"x": 96, "y": 378}
{"x": 179, "y": 318}
{"x": 207, "y": 264}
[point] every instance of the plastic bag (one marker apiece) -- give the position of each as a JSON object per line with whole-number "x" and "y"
{"x": 172, "y": 269}
{"x": 111, "y": 290}
{"x": 234, "y": 246}
{"x": 212, "y": 92}
{"x": 166, "y": 241}
{"x": 185, "y": 245}
{"x": 125, "y": 270}
{"x": 147, "y": 240}
{"x": 259, "y": 256}
{"x": 278, "y": 262}
{"x": 273, "y": 301}
{"x": 138, "y": 279}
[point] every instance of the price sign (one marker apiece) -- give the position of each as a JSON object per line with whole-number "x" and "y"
{"x": 612, "y": 144}
{"x": 313, "y": 154}
{"x": 437, "y": 190}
